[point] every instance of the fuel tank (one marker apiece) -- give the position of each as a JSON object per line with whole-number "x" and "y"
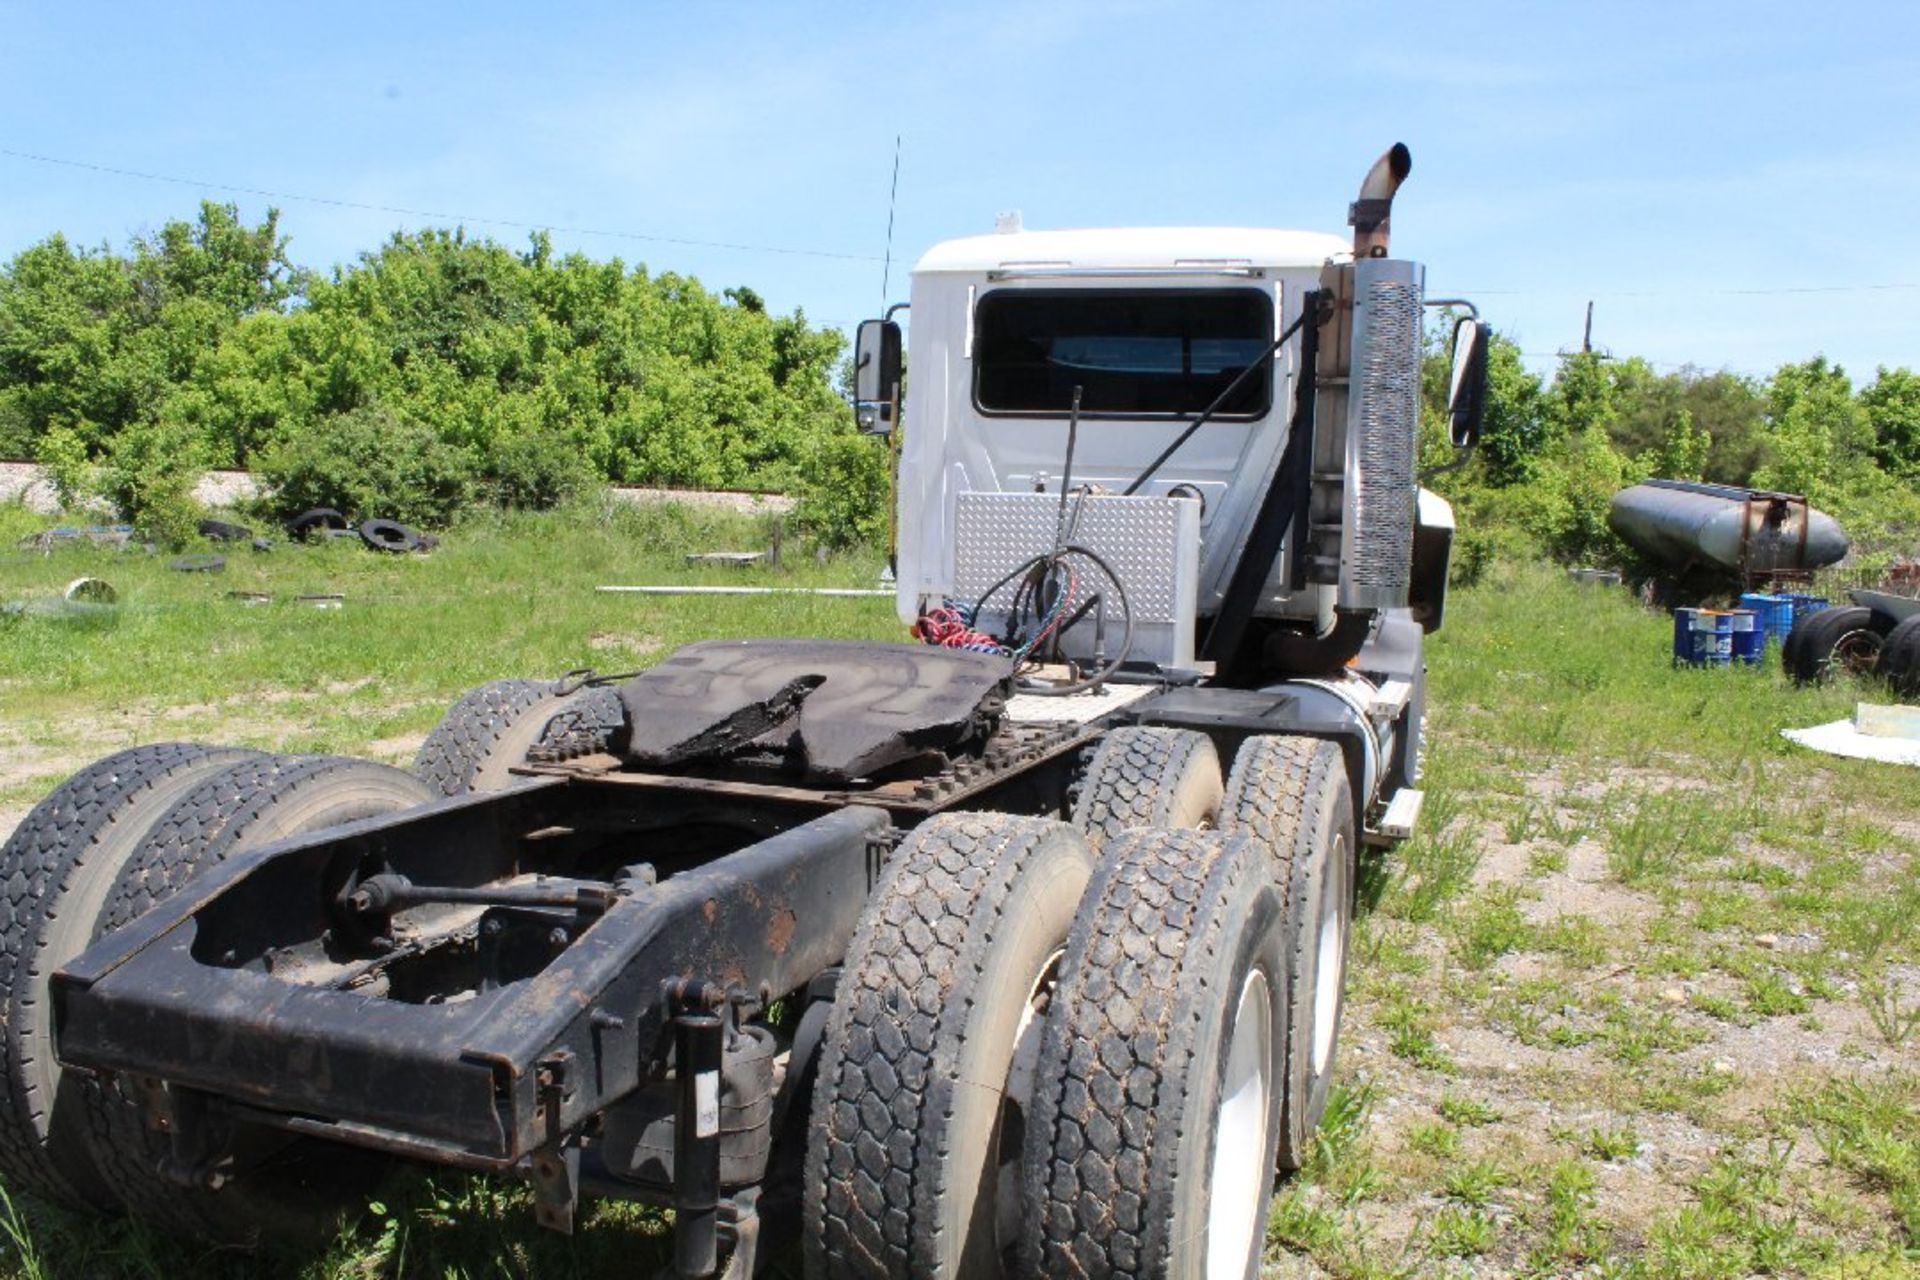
{"x": 1687, "y": 525}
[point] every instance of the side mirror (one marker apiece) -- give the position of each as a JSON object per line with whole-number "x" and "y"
{"x": 876, "y": 376}
{"x": 1467, "y": 387}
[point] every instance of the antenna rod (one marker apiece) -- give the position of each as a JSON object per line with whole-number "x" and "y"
{"x": 893, "y": 199}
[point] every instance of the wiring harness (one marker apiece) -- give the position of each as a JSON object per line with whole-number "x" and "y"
{"x": 951, "y": 628}
{"x": 1046, "y": 602}
{"x": 1043, "y": 607}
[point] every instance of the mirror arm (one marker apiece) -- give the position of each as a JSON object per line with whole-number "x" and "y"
{"x": 1462, "y": 455}
{"x": 1473, "y": 312}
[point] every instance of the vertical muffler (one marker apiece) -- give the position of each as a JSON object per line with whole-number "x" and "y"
{"x": 1370, "y": 403}
{"x": 1383, "y": 424}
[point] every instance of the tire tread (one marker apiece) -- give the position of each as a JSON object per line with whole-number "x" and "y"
{"x": 1133, "y": 780}
{"x": 1273, "y": 795}
{"x": 40, "y": 866}
{"x": 1117, "y": 1060}
{"x": 216, "y": 820}
{"x": 477, "y": 727}
{"x": 875, "y": 1159}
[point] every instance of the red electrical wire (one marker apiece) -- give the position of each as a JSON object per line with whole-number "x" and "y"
{"x": 947, "y": 628}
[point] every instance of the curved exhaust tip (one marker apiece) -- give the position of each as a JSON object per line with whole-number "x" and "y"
{"x": 1370, "y": 214}
{"x": 1400, "y": 160}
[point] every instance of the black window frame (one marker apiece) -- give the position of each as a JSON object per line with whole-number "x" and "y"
{"x": 1268, "y": 297}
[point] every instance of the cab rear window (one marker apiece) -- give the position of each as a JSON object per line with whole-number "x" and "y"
{"x": 1133, "y": 353}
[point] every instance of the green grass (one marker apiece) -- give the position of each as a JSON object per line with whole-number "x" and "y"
{"x": 1467, "y": 1112}
{"x": 1614, "y": 1143}
{"x": 1491, "y": 926}
{"x": 503, "y": 595}
{"x": 1600, "y": 831}
{"x": 1681, "y": 892}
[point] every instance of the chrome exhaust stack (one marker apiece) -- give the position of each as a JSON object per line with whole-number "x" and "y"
{"x": 1371, "y": 214}
{"x": 1364, "y": 492}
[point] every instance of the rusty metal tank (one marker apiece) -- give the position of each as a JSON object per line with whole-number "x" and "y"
{"x": 1746, "y": 533}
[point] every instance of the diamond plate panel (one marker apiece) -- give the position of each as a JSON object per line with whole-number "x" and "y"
{"x": 1152, "y": 543}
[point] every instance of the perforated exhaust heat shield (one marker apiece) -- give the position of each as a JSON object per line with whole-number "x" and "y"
{"x": 1383, "y": 424}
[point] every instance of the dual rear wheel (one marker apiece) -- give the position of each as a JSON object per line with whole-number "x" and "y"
{"x": 109, "y": 843}
{"x": 1061, "y": 1051}
{"x": 128, "y": 832}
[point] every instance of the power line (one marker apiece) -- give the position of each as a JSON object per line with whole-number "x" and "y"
{"x": 1658, "y": 364}
{"x": 744, "y": 247}
{"x": 436, "y": 216}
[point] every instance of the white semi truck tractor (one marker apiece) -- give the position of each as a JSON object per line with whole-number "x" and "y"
{"x": 1013, "y": 949}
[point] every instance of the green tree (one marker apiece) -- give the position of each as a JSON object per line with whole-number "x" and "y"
{"x": 369, "y": 463}
{"x": 219, "y": 260}
{"x": 1728, "y": 409}
{"x": 64, "y": 314}
{"x": 1514, "y": 431}
{"x": 1818, "y": 437}
{"x": 1645, "y": 403}
{"x": 1582, "y": 397}
{"x": 150, "y": 473}
{"x": 527, "y": 373}
{"x": 845, "y": 494}
{"x": 1682, "y": 451}
{"x": 1892, "y": 405}
{"x": 64, "y": 455}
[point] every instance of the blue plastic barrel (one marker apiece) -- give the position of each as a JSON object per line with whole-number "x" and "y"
{"x": 1702, "y": 637}
{"x": 1776, "y": 614}
{"x": 1749, "y": 637}
{"x": 1804, "y": 605}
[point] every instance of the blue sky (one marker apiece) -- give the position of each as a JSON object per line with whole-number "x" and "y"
{"x": 1686, "y": 165}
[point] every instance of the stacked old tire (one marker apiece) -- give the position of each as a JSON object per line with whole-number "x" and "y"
{"x": 1854, "y": 640}
{"x": 1086, "y": 1048}
{"x": 1900, "y": 658}
{"x": 106, "y": 845}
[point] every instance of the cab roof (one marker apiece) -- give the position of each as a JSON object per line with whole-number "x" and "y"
{"x": 1133, "y": 248}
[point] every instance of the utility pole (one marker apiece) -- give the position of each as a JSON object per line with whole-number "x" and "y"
{"x": 1586, "y": 339}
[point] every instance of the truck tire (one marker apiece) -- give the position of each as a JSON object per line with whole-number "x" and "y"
{"x": 58, "y": 869}
{"x": 1156, "y": 1114}
{"x": 316, "y": 520}
{"x": 489, "y": 732}
{"x": 389, "y": 535}
{"x": 1293, "y": 795}
{"x": 1143, "y": 776}
{"x": 1843, "y": 638}
{"x": 1900, "y": 658}
{"x": 918, "y": 1110}
{"x": 1790, "y": 647}
{"x": 284, "y": 1190}
{"x": 224, "y": 531}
